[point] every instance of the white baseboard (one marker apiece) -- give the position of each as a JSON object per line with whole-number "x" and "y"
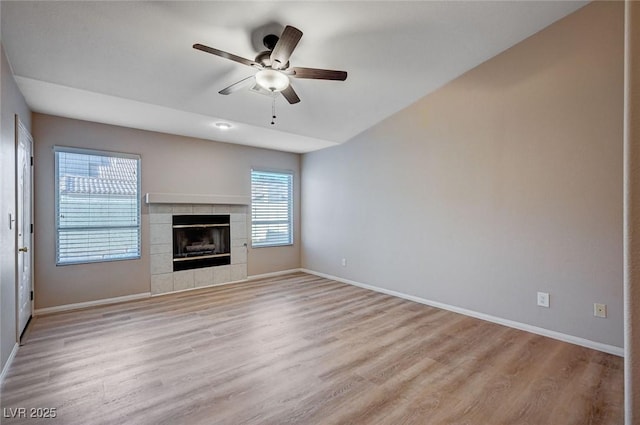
{"x": 611, "y": 349}
{"x": 273, "y": 274}
{"x": 77, "y": 306}
{"x": 5, "y": 369}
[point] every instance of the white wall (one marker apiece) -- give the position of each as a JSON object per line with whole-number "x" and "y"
{"x": 505, "y": 182}
{"x": 170, "y": 164}
{"x": 11, "y": 103}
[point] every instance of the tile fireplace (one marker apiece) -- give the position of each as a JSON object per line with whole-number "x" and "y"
{"x": 196, "y": 245}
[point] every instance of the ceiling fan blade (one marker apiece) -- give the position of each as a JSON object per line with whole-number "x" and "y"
{"x": 238, "y": 86}
{"x": 226, "y": 55}
{"x": 284, "y": 47}
{"x": 319, "y": 74}
{"x": 290, "y": 94}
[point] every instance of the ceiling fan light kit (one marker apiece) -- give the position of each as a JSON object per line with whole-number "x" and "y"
{"x": 272, "y": 80}
{"x": 273, "y": 66}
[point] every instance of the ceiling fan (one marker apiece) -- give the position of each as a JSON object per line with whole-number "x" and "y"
{"x": 273, "y": 66}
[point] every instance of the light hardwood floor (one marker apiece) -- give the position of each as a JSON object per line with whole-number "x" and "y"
{"x": 299, "y": 349}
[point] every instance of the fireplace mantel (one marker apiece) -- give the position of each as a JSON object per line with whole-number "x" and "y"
{"x": 187, "y": 198}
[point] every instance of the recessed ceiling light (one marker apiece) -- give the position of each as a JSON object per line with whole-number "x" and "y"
{"x": 223, "y": 125}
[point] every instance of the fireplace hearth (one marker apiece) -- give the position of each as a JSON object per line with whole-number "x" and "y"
{"x": 201, "y": 241}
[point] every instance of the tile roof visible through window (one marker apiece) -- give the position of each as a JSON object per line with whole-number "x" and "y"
{"x": 114, "y": 176}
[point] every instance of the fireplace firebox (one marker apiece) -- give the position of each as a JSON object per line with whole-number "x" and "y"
{"x": 201, "y": 241}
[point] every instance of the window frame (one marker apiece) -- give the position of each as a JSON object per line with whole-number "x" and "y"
{"x": 138, "y": 226}
{"x": 291, "y": 175}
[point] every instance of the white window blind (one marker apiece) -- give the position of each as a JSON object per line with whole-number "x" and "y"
{"x": 271, "y": 208}
{"x": 97, "y": 206}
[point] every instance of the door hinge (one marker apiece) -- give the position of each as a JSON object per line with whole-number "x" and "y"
{"x": 32, "y": 161}
{"x": 31, "y": 227}
{"x": 31, "y": 295}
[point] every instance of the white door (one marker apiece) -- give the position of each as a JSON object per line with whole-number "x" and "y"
{"x": 24, "y": 223}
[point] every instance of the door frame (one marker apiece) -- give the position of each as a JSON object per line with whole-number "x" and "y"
{"x": 20, "y": 127}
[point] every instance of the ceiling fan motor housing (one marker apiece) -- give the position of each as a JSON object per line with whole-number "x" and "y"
{"x": 264, "y": 58}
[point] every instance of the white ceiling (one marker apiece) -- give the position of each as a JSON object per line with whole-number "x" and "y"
{"x": 132, "y": 64}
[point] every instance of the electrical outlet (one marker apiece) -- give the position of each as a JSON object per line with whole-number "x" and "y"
{"x": 600, "y": 310}
{"x": 543, "y": 299}
{"x": 344, "y": 262}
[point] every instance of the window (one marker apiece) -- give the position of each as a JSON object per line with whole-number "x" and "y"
{"x": 97, "y": 206}
{"x": 271, "y": 208}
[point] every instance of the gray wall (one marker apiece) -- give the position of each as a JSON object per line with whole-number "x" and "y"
{"x": 505, "y": 182}
{"x": 632, "y": 215}
{"x": 170, "y": 164}
{"x": 11, "y": 103}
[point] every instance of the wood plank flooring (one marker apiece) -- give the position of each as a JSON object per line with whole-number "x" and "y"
{"x": 299, "y": 349}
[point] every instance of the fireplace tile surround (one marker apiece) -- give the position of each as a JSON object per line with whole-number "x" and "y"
{"x": 163, "y": 278}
